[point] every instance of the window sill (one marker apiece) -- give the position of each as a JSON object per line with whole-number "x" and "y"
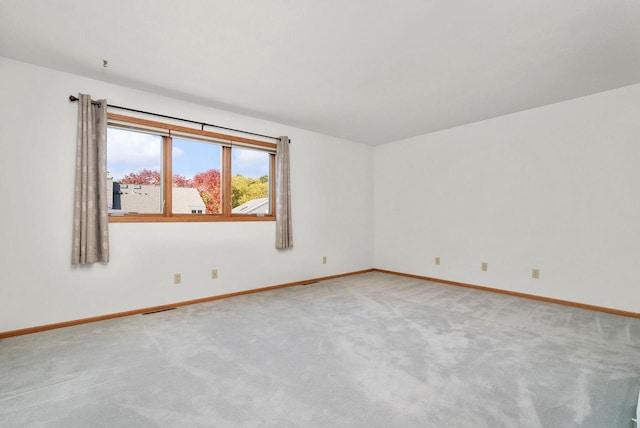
{"x": 187, "y": 218}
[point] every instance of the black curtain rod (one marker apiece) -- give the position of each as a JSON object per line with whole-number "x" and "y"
{"x": 202, "y": 124}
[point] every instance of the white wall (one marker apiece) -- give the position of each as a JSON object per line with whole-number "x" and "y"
{"x": 332, "y": 211}
{"x": 555, "y": 188}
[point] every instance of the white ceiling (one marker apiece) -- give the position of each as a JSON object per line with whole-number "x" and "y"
{"x": 371, "y": 71}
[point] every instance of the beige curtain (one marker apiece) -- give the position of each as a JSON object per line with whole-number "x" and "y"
{"x": 90, "y": 217}
{"x": 284, "y": 231}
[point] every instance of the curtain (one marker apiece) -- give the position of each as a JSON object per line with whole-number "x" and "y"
{"x": 284, "y": 230}
{"x": 90, "y": 216}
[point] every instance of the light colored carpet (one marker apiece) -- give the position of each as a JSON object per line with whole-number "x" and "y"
{"x": 371, "y": 350}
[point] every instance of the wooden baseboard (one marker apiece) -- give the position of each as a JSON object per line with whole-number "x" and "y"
{"x": 517, "y": 294}
{"x": 38, "y": 329}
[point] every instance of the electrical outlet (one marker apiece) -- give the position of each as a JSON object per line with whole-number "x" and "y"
{"x": 437, "y": 260}
{"x": 214, "y": 273}
{"x": 484, "y": 266}
{"x": 324, "y": 260}
{"x": 177, "y": 278}
{"x": 535, "y": 273}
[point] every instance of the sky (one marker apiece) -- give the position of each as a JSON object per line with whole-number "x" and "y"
{"x": 129, "y": 151}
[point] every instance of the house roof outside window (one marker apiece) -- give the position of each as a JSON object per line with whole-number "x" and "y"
{"x": 254, "y": 206}
{"x": 146, "y": 198}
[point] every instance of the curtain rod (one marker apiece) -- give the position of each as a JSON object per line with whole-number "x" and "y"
{"x": 202, "y": 124}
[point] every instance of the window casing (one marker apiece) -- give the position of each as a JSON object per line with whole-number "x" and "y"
{"x": 161, "y": 172}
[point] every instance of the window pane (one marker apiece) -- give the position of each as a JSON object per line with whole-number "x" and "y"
{"x": 196, "y": 177}
{"x": 250, "y": 181}
{"x": 134, "y": 173}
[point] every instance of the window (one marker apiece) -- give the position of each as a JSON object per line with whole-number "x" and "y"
{"x": 134, "y": 158}
{"x": 250, "y": 181}
{"x": 164, "y": 172}
{"x": 196, "y": 179}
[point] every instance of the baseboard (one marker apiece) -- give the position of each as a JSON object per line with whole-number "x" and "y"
{"x": 46, "y": 327}
{"x": 517, "y": 294}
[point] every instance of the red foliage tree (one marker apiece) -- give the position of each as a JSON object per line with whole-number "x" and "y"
{"x": 146, "y": 176}
{"x": 208, "y": 184}
{"x": 181, "y": 181}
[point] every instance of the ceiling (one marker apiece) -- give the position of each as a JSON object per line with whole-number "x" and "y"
{"x": 370, "y": 71}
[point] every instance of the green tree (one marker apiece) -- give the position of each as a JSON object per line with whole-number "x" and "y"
{"x": 245, "y": 189}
